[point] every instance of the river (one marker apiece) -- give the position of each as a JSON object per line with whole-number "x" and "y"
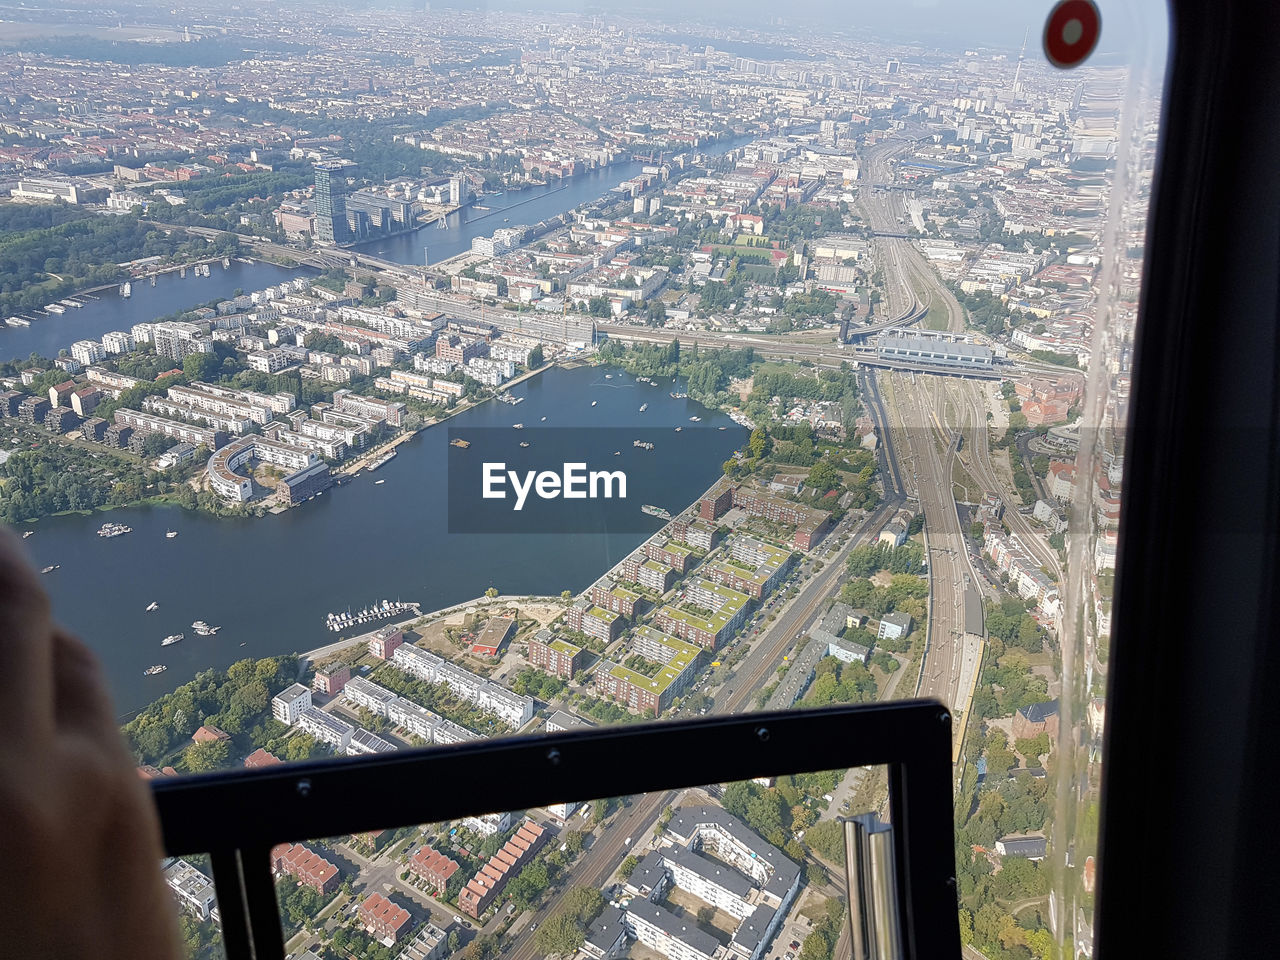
{"x": 525, "y": 206}
{"x": 269, "y": 581}
{"x": 110, "y": 311}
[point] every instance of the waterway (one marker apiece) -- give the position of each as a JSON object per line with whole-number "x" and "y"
{"x": 510, "y": 209}
{"x": 110, "y": 311}
{"x": 513, "y": 208}
{"x": 268, "y": 582}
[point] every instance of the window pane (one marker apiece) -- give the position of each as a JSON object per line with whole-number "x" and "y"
{"x": 844, "y": 298}
{"x": 718, "y": 871}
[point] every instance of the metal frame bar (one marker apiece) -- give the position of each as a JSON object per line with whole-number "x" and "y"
{"x": 238, "y": 816}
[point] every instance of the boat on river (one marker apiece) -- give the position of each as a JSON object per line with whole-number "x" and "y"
{"x": 152, "y": 607}
{"x": 153, "y": 670}
{"x": 170, "y": 640}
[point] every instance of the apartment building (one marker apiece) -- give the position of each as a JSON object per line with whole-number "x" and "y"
{"x": 716, "y": 504}
{"x": 326, "y": 728}
{"x": 433, "y": 868}
{"x": 615, "y": 599}
{"x": 675, "y": 555}
{"x": 224, "y": 463}
{"x": 594, "y": 621}
{"x": 331, "y": 679}
{"x": 810, "y": 525}
{"x": 416, "y": 719}
{"x": 176, "y": 339}
{"x": 458, "y": 349}
{"x": 696, "y": 533}
{"x": 221, "y": 403}
{"x": 555, "y": 655}
{"x": 384, "y": 919}
{"x": 708, "y": 632}
{"x": 487, "y": 884}
{"x": 235, "y": 426}
{"x": 305, "y": 865}
{"x": 192, "y": 889}
{"x": 151, "y": 423}
{"x": 88, "y": 351}
{"x": 289, "y": 702}
{"x": 641, "y": 692}
{"x": 511, "y": 708}
{"x": 390, "y": 412}
{"x": 364, "y": 743}
{"x": 429, "y": 942}
{"x": 384, "y": 644}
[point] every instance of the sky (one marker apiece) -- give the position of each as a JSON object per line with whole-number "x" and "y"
{"x": 950, "y": 25}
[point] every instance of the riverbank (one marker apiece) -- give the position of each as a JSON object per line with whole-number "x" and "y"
{"x": 428, "y": 618}
{"x": 352, "y": 469}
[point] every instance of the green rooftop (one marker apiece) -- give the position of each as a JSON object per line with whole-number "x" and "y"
{"x": 560, "y": 645}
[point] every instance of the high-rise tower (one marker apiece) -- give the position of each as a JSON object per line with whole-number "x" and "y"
{"x": 331, "y": 200}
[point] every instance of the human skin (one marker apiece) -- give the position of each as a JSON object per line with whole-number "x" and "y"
{"x": 79, "y": 835}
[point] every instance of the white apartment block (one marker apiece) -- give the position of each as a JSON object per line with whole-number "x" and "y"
{"x": 326, "y": 728}
{"x": 88, "y": 351}
{"x": 512, "y": 708}
{"x": 118, "y": 342}
{"x": 289, "y": 702}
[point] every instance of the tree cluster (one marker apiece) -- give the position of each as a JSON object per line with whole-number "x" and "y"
{"x": 238, "y": 700}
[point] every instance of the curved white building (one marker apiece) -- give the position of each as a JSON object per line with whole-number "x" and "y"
{"x": 224, "y": 463}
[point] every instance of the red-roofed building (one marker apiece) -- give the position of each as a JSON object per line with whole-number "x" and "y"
{"x": 434, "y": 868}
{"x": 210, "y": 734}
{"x": 1042, "y": 412}
{"x": 261, "y": 758}
{"x": 306, "y": 865}
{"x": 493, "y": 636}
{"x": 1061, "y": 479}
{"x": 487, "y": 884}
{"x": 383, "y": 918}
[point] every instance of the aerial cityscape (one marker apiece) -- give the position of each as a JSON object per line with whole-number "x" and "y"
{"x": 854, "y": 313}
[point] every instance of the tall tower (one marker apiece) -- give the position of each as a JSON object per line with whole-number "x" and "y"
{"x": 1017, "y": 74}
{"x": 331, "y": 200}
